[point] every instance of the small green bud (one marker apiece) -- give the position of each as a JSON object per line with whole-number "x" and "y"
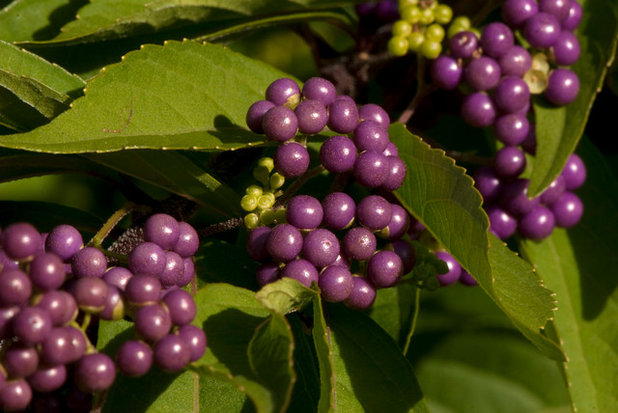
{"x": 427, "y": 17}
{"x": 254, "y": 190}
{"x": 416, "y": 40}
{"x": 443, "y": 13}
{"x": 267, "y": 217}
{"x": 267, "y": 163}
{"x": 434, "y": 32}
{"x": 402, "y": 28}
{"x": 398, "y": 46}
{"x": 431, "y": 49}
{"x": 411, "y": 14}
{"x": 251, "y": 220}
{"x": 249, "y": 202}
{"x": 266, "y": 200}
{"x": 261, "y": 174}
{"x": 276, "y": 181}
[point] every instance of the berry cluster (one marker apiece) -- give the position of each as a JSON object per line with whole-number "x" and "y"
{"x": 52, "y": 288}
{"x": 420, "y": 28}
{"x": 502, "y": 76}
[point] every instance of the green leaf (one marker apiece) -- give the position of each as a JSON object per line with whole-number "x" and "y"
{"x": 441, "y": 196}
{"x": 24, "y": 20}
{"x": 324, "y": 353}
{"x": 370, "y": 373}
{"x": 285, "y": 296}
{"x": 182, "y": 95}
{"x": 393, "y": 310}
{"x": 487, "y": 372}
{"x": 102, "y": 20}
{"x": 558, "y": 129}
{"x": 220, "y": 262}
{"x": 32, "y": 89}
{"x": 305, "y": 397}
{"x": 240, "y": 345}
{"x": 45, "y": 215}
{"x": 174, "y": 172}
{"x": 578, "y": 264}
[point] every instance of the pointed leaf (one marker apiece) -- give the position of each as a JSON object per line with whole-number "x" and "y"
{"x": 285, "y": 295}
{"x": 370, "y": 372}
{"x": 324, "y": 353}
{"x": 558, "y": 129}
{"x": 239, "y": 339}
{"x": 578, "y": 264}
{"x": 441, "y": 196}
{"x": 174, "y": 172}
{"x": 201, "y": 104}
{"x": 393, "y": 310}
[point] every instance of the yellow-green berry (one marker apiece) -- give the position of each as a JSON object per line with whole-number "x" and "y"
{"x": 276, "y": 181}
{"x": 415, "y": 40}
{"x": 398, "y": 46}
{"x": 251, "y": 220}
{"x": 249, "y": 202}
{"x": 267, "y": 162}
{"x": 254, "y": 190}
{"x": 411, "y": 14}
{"x": 266, "y": 200}
{"x": 427, "y": 17}
{"x": 402, "y": 28}
{"x": 443, "y": 13}
{"x": 431, "y": 49}
{"x": 434, "y": 32}
{"x": 267, "y": 217}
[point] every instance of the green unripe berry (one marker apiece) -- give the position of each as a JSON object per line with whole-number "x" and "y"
{"x": 402, "y": 28}
{"x": 398, "y": 46}
{"x": 267, "y": 163}
{"x": 407, "y": 3}
{"x": 251, "y": 220}
{"x": 427, "y": 17}
{"x": 434, "y": 32}
{"x": 443, "y": 13}
{"x": 459, "y": 24}
{"x": 415, "y": 40}
{"x": 411, "y": 14}
{"x": 431, "y": 49}
{"x": 276, "y": 181}
{"x": 266, "y": 200}
{"x": 254, "y": 190}
{"x": 249, "y": 202}
{"x": 261, "y": 174}
{"x": 280, "y": 215}
{"x": 267, "y": 217}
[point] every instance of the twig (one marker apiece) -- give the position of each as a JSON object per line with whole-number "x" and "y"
{"x": 422, "y": 90}
{"x": 220, "y": 227}
{"x": 417, "y": 307}
{"x": 298, "y": 183}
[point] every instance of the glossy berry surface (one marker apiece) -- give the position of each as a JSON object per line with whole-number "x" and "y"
{"x": 446, "y": 73}
{"x": 359, "y": 243}
{"x": 339, "y": 210}
{"x": 304, "y": 212}
{"x": 338, "y": 154}
{"x": 496, "y": 39}
{"x": 47, "y": 271}
{"x": 321, "y": 247}
{"x": 542, "y": 30}
{"x": 95, "y": 372}
{"x": 20, "y": 240}
{"x": 284, "y": 243}
{"x": 134, "y": 358}
{"x": 568, "y": 210}
{"x": 362, "y": 295}
{"x": 563, "y": 86}
{"x": 196, "y": 339}
{"x": 162, "y": 229}
{"x": 537, "y": 224}
{"x": 291, "y": 159}
{"x": 478, "y": 110}
{"x": 319, "y": 89}
{"x": 302, "y": 271}
{"x": 335, "y": 283}
{"x": 171, "y": 353}
{"x": 256, "y": 113}
{"x": 376, "y": 113}
{"x": 280, "y": 124}
{"x": 15, "y": 288}
{"x": 312, "y": 116}
{"x": 374, "y": 212}
{"x": 89, "y": 262}
{"x": 283, "y": 91}
{"x": 384, "y": 269}
{"x": 181, "y": 307}
{"x": 64, "y": 241}
{"x": 342, "y": 116}
{"x": 454, "y": 269}
{"x": 574, "y": 172}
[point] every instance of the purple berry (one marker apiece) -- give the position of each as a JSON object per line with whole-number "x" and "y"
{"x": 312, "y": 116}
{"x": 304, "y": 212}
{"x": 321, "y": 247}
{"x": 478, "y": 110}
{"x": 256, "y": 243}
{"x": 64, "y": 241}
{"x": 284, "y": 243}
{"x": 174, "y": 268}
{"x": 188, "y": 240}
{"x": 529, "y": 144}
{"x": 319, "y": 89}
{"x": 88, "y": 262}
{"x": 512, "y": 129}
{"x": 515, "y": 62}
{"x": 48, "y": 379}
{"x": 399, "y": 224}
{"x": 60, "y": 305}
{"x": 574, "y": 17}
{"x": 537, "y": 224}
{"x": 338, "y": 154}
{"x": 95, "y": 372}
{"x": 487, "y": 183}
{"x": 335, "y": 283}
{"x": 391, "y": 150}
{"x": 374, "y": 212}
{"x": 509, "y": 162}
{"x": 302, "y": 271}
{"x": 255, "y": 115}
{"x": 162, "y": 229}
{"x": 482, "y": 73}
{"x": 90, "y": 294}
{"x": 47, "y": 271}
{"x": 466, "y": 279}
{"x": 553, "y": 191}
{"x": 363, "y": 294}
{"x": 143, "y": 289}
{"x": 283, "y": 91}
{"x": 566, "y": 49}
{"x": 384, "y": 269}
{"x": 342, "y": 116}
{"x": 188, "y": 272}
{"x": 20, "y": 240}
{"x": 31, "y": 325}
{"x": 63, "y": 345}
{"x": 134, "y": 358}
{"x": 396, "y": 173}
{"x": 280, "y": 124}
{"x": 20, "y": 360}
{"x": 359, "y": 244}
{"x": 114, "y": 305}
{"x": 152, "y": 322}
{"x": 15, "y": 395}
{"x": 196, "y": 339}
{"x": 181, "y": 307}
{"x": 339, "y": 210}
{"x": 370, "y": 135}
{"x": 171, "y": 353}
{"x": 542, "y": 30}
{"x": 267, "y": 273}
{"x": 406, "y": 252}
{"x": 463, "y": 45}
{"x": 147, "y": 258}
{"x": 501, "y": 223}
{"x": 515, "y": 198}
{"x": 118, "y": 277}
{"x": 371, "y": 169}
{"x": 446, "y": 73}
{"x": 6, "y": 319}
{"x": 567, "y": 210}
{"x": 496, "y": 39}
{"x": 511, "y": 94}
{"x": 562, "y": 87}
{"x": 374, "y": 112}
{"x": 559, "y": 8}
{"x": 291, "y": 159}
{"x": 516, "y": 12}
{"x": 574, "y": 172}
{"x": 15, "y": 288}
{"x": 454, "y": 269}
